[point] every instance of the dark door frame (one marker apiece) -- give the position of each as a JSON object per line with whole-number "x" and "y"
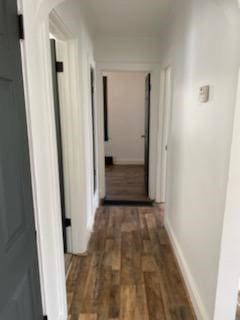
{"x": 92, "y": 86}
{"x": 147, "y": 131}
{"x": 57, "y": 115}
{"x": 105, "y": 107}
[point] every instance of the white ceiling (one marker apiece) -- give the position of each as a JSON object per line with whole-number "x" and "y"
{"x": 127, "y": 18}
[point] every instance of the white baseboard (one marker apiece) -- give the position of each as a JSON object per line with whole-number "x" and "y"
{"x": 197, "y": 302}
{"x": 128, "y": 161}
{"x": 90, "y": 223}
{"x": 91, "y": 219}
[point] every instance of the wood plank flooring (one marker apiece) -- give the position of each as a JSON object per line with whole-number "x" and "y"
{"x": 238, "y": 308}
{"x": 129, "y": 271}
{"x": 68, "y": 261}
{"x": 125, "y": 182}
{"x": 238, "y": 313}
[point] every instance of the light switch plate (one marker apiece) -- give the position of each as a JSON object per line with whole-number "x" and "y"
{"x": 204, "y": 94}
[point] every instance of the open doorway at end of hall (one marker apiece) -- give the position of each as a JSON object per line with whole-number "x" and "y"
{"x": 126, "y": 98}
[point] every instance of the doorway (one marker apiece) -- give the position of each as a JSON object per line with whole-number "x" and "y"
{"x": 126, "y": 101}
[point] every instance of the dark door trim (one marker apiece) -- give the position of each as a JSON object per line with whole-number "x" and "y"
{"x": 92, "y": 85}
{"x": 147, "y": 130}
{"x": 59, "y": 138}
{"x": 105, "y": 107}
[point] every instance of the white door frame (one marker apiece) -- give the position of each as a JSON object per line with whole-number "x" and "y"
{"x": 154, "y": 69}
{"x": 45, "y": 182}
{"x": 62, "y": 35}
{"x": 164, "y": 132}
{"x": 44, "y": 162}
{"x": 43, "y": 154}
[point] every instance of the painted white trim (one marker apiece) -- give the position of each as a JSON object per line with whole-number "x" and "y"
{"x": 165, "y": 130}
{"x": 43, "y": 149}
{"x": 154, "y": 69}
{"x": 64, "y": 41}
{"x": 197, "y": 302}
{"x": 50, "y": 240}
{"x": 44, "y": 165}
{"x": 76, "y": 121}
{"x": 80, "y": 235}
{"x": 91, "y": 219}
{"x": 34, "y": 193}
{"x": 55, "y": 223}
{"x": 61, "y": 34}
{"x": 160, "y": 137}
{"x": 129, "y": 161}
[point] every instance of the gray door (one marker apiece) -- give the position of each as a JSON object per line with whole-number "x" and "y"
{"x": 146, "y": 133}
{"x": 19, "y": 276}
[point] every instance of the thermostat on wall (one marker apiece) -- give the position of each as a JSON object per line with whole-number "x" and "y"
{"x": 204, "y": 94}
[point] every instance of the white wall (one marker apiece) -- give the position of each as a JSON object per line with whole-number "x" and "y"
{"x": 126, "y": 115}
{"x": 131, "y": 49}
{"x": 229, "y": 266}
{"x": 202, "y": 47}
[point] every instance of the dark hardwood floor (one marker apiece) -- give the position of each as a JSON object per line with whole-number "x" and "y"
{"x": 238, "y": 308}
{"x": 68, "y": 261}
{"x": 125, "y": 182}
{"x": 129, "y": 271}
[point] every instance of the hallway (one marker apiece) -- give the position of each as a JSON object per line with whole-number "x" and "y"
{"x": 123, "y": 260}
{"x": 129, "y": 271}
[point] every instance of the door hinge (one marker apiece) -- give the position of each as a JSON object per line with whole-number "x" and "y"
{"x": 59, "y": 66}
{"x": 45, "y": 317}
{"x": 21, "y": 27}
{"x": 68, "y": 222}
